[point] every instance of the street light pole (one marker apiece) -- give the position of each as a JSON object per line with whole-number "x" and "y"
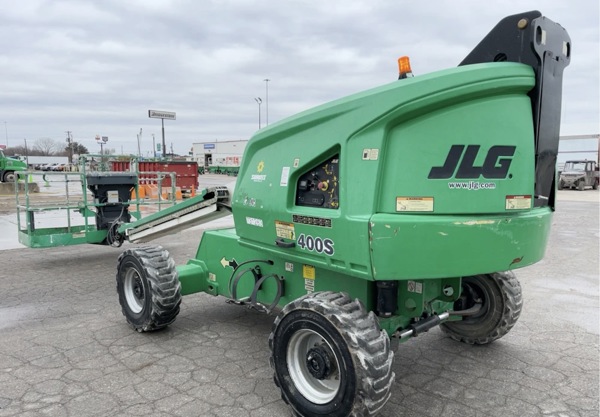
{"x": 259, "y": 101}
{"x": 139, "y": 137}
{"x": 6, "y": 133}
{"x": 266, "y": 80}
{"x": 102, "y": 140}
{"x": 164, "y": 145}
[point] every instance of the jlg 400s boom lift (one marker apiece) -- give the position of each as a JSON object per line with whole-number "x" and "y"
{"x": 379, "y": 215}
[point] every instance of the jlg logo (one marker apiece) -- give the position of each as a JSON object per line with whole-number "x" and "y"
{"x": 496, "y": 164}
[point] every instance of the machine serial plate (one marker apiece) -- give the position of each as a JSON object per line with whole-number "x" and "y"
{"x": 313, "y": 221}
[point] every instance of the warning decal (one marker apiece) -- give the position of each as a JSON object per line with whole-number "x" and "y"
{"x": 414, "y": 204}
{"x": 285, "y": 230}
{"x": 518, "y": 202}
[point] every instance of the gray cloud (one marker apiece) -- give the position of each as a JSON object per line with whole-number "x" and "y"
{"x": 96, "y": 67}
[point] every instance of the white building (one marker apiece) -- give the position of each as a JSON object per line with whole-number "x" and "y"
{"x": 222, "y": 153}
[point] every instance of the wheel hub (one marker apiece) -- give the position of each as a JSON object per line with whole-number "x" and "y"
{"x": 319, "y": 362}
{"x": 313, "y": 366}
{"x": 138, "y": 289}
{"x": 133, "y": 288}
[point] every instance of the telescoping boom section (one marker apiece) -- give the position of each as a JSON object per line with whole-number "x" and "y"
{"x": 210, "y": 204}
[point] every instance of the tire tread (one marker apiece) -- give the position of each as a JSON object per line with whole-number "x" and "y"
{"x": 510, "y": 289}
{"x": 360, "y": 329}
{"x": 164, "y": 287}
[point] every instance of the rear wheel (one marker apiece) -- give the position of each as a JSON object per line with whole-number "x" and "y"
{"x": 500, "y": 300}
{"x": 330, "y": 357}
{"x": 148, "y": 287}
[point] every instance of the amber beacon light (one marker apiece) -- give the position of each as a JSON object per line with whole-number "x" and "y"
{"x": 404, "y": 70}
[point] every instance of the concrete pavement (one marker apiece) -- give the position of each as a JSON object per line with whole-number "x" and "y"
{"x": 66, "y": 350}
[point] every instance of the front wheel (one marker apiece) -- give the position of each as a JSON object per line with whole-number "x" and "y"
{"x": 581, "y": 185}
{"x": 9, "y": 176}
{"x": 500, "y": 301}
{"x": 330, "y": 357}
{"x": 148, "y": 287}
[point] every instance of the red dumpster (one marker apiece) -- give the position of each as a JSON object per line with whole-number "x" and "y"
{"x": 186, "y": 173}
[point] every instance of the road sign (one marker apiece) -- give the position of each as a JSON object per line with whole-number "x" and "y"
{"x": 158, "y": 114}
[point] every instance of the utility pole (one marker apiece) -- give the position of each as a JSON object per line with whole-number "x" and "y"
{"x": 26, "y": 154}
{"x": 69, "y": 146}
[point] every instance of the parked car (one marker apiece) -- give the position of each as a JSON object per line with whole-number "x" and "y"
{"x": 49, "y": 167}
{"x": 60, "y": 167}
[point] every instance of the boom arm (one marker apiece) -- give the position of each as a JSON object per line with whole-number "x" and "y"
{"x": 535, "y": 40}
{"x": 211, "y": 204}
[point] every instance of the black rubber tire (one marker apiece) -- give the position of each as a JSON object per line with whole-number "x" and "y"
{"x": 560, "y": 185}
{"x": 502, "y": 301}
{"x": 354, "y": 341}
{"x": 9, "y": 176}
{"x": 581, "y": 185}
{"x": 148, "y": 287}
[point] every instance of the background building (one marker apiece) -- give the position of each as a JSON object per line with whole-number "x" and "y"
{"x": 219, "y": 153}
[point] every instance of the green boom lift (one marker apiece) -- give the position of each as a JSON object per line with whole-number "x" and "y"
{"x": 382, "y": 215}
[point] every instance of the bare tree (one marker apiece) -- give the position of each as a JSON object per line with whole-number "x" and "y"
{"x": 47, "y": 146}
{"x": 20, "y": 150}
{"x": 15, "y": 150}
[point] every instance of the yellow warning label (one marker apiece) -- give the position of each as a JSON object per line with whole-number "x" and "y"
{"x": 285, "y": 230}
{"x": 308, "y": 271}
{"x": 414, "y": 204}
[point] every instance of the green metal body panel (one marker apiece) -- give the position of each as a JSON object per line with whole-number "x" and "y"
{"x": 221, "y": 256}
{"x": 8, "y": 164}
{"x": 220, "y": 250}
{"x": 61, "y": 236}
{"x": 418, "y": 246}
{"x": 420, "y": 182}
{"x": 433, "y": 181}
{"x": 409, "y": 127}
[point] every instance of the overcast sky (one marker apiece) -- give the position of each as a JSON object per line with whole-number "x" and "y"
{"x": 97, "y": 67}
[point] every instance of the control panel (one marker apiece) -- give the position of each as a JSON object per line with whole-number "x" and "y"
{"x": 319, "y": 187}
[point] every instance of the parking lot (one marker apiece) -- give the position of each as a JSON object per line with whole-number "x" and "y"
{"x": 66, "y": 350}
